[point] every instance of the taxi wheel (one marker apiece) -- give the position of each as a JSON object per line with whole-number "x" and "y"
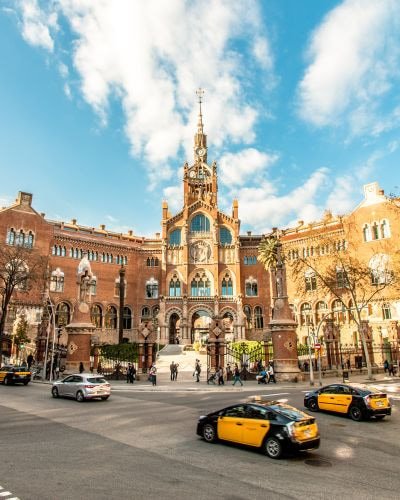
{"x": 104, "y": 398}
{"x": 273, "y": 447}
{"x": 26, "y": 382}
{"x": 54, "y": 392}
{"x": 80, "y": 397}
{"x": 209, "y": 433}
{"x": 7, "y": 381}
{"x": 355, "y": 413}
{"x": 313, "y": 405}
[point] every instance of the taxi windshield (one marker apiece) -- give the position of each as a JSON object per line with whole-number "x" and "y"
{"x": 288, "y": 411}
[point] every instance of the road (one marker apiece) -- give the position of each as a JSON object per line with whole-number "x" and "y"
{"x": 142, "y": 444}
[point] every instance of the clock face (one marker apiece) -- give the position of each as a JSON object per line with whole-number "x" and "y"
{"x": 201, "y": 152}
{"x": 192, "y": 173}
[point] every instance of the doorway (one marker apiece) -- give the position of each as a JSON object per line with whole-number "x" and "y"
{"x": 200, "y": 327}
{"x": 174, "y": 328}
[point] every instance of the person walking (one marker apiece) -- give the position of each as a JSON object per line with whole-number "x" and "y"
{"x": 221, "y": 376}
{"x": 175, "y": 374}
{"x": 386, "y": 366}
{"x": 236, "y": 375}
{"x": 128, "y": 373}
{"x": 81, "y": 367}
{"x": 271, "y": 374}
{"x": 153, "y": 374}
{"x": 29, "y": 360}
{"x": 172, "y": 370}
{"x": 197, "y": 370}
{"x": 133, "y": 374}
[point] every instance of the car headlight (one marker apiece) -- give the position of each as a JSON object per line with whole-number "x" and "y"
{"x": 202, "y": 417}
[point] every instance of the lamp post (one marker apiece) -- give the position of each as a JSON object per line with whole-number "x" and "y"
{"x": 50, "y": 304}
{"x": 309, "y": 351}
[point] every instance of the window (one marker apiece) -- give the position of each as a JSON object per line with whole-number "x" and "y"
{"x": 227, "y": 286}
{"x": 117, "y": 287}
{"x": 258, "y": 317}
{"x": 251, "y": 288}
{"x": 96, "y": 316}
{"x": 152, "y": 289}
{"x": 247, "y": 313}
{"x": 111, "y": 317}
{"x": 367, "y": 232}
{"x": 63, "y": 314}
{"x": 386, "y": 312}
{"x": 127, "y": 319}
{"x": 225, "y": 236}
{"x": 385, "y": 232}
{"x": 306, "y": 317}
{"x": 200, "y": 224}
{"x": 310, "y": 281}
{"x": 152, "y": 262}
{"x": 93, "y": 286}
{"x": 341, "y": 278}
{"x": 380, "y": 273}
{"x": 250, "y": 260}
{"x": 236, "y": 411}
{"x": 146, "y": 313}
{"x": 339, "y": 311}
{"x": 375, "y": 231}
{"x": 200, "y": 285}
{"x": 57, "y": 281}
{"x": 321, "y": 310}
{"x": 19, "y": 240}
{"x": 10, "y": 237}
{"x": 175, "y": 237}
{"x": 29, "y": 240}
{"x": 175, "y": 286}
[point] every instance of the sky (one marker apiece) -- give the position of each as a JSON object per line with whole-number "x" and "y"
{"x": 98, "y": 106}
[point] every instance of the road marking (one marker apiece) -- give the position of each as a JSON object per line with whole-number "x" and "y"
{"x": 278, "y": 394}
{"x": 6, "y": 493}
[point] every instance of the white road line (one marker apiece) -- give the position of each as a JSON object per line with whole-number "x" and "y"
{"x": 277, "y": 394}
{"x": 6, "y": 493}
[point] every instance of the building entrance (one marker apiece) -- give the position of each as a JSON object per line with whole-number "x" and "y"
{"x": 174, "y": 328}
{"x": 200, "y": 327}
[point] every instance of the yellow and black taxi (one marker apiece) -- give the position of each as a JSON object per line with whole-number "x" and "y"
{"x": 10, "y": 374}
{"x": 273, "y": 426}
{"x": 358, "y": 401}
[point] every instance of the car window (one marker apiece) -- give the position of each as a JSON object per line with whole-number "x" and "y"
{"x": 97, "y": 380}
{"x": 343, "y": 389}
{"x": 288, "y": 411}
{"x": 330, "y": 389}
{"x": 236, "y": 411}
{"x": 256, "y": 412}
{"x": 76, "y": 379}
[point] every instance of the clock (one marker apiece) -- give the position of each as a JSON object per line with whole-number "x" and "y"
{"x": 200, "y": 151}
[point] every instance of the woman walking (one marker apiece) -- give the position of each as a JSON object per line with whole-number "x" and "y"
{"x": 236, "y": 375}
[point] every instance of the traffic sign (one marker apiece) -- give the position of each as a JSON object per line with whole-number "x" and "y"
{"x": 317, "y": 346}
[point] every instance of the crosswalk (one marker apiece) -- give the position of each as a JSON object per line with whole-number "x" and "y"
{"x": 7, "y": 495}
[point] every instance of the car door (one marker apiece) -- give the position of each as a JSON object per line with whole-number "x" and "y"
{"x": 343, "y": 398}
{"x": 230, "y": 423}
{"x": 255, "y": 425}
{"x": 65, "y": 388}
{"x": 327, "y": 398}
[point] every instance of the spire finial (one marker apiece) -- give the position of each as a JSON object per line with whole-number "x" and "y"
{"x": 200, "y": 94}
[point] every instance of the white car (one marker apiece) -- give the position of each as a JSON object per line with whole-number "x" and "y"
{"x": 82, "y": 386}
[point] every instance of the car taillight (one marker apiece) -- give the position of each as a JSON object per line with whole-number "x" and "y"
{"x": 367, "y": 400}
{"x": 90, "y": 386}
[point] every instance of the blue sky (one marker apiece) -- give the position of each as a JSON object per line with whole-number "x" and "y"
{"x": 98, "y": 106}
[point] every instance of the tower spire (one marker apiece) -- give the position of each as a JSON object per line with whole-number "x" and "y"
{"x": 200, "y": 139}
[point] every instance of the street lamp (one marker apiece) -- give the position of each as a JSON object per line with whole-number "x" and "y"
{"x": 309, "y": 351}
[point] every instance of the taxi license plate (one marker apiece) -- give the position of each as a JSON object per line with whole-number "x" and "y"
{"x": 379, "y": 403}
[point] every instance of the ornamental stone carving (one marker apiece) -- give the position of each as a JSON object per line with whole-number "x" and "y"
{"x": 200, "y": 252}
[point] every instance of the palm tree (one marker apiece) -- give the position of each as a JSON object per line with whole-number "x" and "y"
{"x": 267, "y": 252}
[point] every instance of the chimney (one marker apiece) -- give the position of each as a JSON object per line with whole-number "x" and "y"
{"x": 157, "y": 236}
{"x": 130, "y": 232}
{"x": 248, "y": 233}
{"x": 42, "y": 214}
{"x": 73, "y": 222}
{"x": 102, "y": 227}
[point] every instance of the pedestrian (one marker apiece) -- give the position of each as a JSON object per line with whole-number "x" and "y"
{"x": 177, "y": 339}
{"x": 175, "y": 374}
{"x": 386, "y": 365}
{"x": 153, "y": 374}
{"x": 348, "y": 363}
{"x": 81, "y": 367}
{"x": 391, "y": 369}
{"x": 197, "y": 370}
{"x": 128, "y": 373}
{"x": 228, "y": 372}
{"x": 271, "y": 374}
{"x": 133, "y": 374}
{"x": 221, "y": 376}
{"x": 172, "y": 369}
{"x": 29, "y": 360}
{"x": 305, "y": 365}
{"x": 99, "y": 368}
{"x": 236, "y": 375}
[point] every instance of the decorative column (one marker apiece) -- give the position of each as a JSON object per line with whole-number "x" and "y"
{"x": 81, "y": 328}
{"x": 282, "y": 327}
{"x": 147, "y": 338}
{"x": 216, "y": 344}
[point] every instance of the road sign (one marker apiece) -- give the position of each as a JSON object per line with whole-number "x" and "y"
{"x": 317, "y": 346}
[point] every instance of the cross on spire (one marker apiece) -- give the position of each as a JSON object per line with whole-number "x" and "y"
{"x": 200, "y": 94}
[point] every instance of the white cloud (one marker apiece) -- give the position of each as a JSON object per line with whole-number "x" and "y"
{"x": 353, "y": 57}
{"x": 249, "y": 163}
{"x": 262, "y": 208}
{"x": 174, "y": 197}
{"x": 37, "y": 24}
{"x": 152, "y": 55}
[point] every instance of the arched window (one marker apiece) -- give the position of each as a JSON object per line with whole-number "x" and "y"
{"x": 247, "y": 313}
{"x": 366, "y": 232}
{"x": 200, "y": 224}
{"x": 19, "y": 240}
{"x": 306, "y": 317}
{"x": 380, "y": 272}
{"x": 375, "y": 231}
{"x": 63, "y": 314}
{"x": 339, "y": 312}
{"x": 385, "y": 230}
{"x": 154, "y": 313}
{"x": 175, "y": 286}
{"x": 127, "y": 319}
{"x": 152, "y": 288}
{"x": 227, "y": 286}
{"x": 310, "y": 280}
{"x": 29, "y": 240}
{"x": 200, "y": 285}
{"x": 258, "y": 317}
{"x": 93, "y": 285}
{"x": 96, "y": 315}
{"x": 321, "y": 311}
{"x": 175, "y": 237}
{"x": 57, "y": 281}
{"x": 63, "y": 252}
{"x": 251, "y": 288}
{"x": 146, "y": 313}
{"x": 10, "y": 237}
{"x": 386, "y": 311}
{"x": 111, "y": 317}
{"x": 225, "y": 236}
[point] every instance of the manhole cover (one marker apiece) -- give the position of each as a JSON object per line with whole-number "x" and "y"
{"x": 318, "y": 462}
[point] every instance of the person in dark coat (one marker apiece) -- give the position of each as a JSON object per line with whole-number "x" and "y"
{"x": 29, "y": 360}
{"x": 81, "y": 367}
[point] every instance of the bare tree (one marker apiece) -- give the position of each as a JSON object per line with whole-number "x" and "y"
{"x": 338, "y": 271}
{"x": 22, "y": 272}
